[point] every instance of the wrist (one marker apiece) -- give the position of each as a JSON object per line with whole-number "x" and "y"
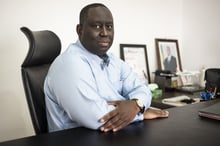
{"x": 136, "y": 106}
{"x": 139, "y": 105}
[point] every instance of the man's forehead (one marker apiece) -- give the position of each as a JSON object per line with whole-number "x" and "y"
{"x": 99, "y": 12}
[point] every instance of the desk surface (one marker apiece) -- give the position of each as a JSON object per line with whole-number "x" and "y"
{"x": 183, "y": 128}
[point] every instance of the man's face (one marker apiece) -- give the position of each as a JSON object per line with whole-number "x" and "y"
{"x": 97, "y": 32}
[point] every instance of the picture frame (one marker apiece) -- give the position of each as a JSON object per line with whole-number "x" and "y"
{"x": 165, "y": 48}
{"x": 135, "y": 55}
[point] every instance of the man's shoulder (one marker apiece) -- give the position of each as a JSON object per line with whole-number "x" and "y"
{"x": 74, "y": 53}
{"x": 71, "y": 58}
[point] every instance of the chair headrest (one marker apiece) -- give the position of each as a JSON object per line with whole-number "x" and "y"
{"x": 39, "y": 43}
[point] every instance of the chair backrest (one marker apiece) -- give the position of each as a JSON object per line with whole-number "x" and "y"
{"x": 44, "y": 47}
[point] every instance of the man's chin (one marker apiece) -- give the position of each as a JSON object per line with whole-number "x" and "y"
{"x": 104, "y": 48}
{"x": 103, "y": 51}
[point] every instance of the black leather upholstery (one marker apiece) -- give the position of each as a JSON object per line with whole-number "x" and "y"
{"x": 44, "y": 47}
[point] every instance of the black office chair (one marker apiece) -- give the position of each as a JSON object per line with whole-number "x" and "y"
{"x": 44, "y": 47}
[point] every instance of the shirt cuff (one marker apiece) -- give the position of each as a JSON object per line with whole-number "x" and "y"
{"x": 138, "y": 117}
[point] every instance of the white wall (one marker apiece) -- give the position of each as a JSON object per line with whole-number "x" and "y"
{"x": 200, "y": 33}
{"x": 193, "y": 22}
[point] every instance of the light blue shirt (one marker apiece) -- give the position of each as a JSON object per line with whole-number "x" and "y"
{"x": 79, "y": 84}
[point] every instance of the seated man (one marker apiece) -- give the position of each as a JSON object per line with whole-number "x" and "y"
{"x": 170, "y": 61}
{"x": 88, "y": 87}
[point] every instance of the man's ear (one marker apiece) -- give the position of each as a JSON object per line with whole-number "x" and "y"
{"x": 79, "y": 29}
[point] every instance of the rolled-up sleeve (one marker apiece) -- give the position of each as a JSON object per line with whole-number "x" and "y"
{"x": 134, "y": 88}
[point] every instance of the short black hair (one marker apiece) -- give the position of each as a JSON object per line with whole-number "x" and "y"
{"x": 84, "y": 12}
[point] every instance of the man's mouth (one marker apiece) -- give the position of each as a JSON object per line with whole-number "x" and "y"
{"x": 103, "y": 44}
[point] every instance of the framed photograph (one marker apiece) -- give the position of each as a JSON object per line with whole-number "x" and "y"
{"x": 168, "y": 55}
{"x": 136, "y": 57}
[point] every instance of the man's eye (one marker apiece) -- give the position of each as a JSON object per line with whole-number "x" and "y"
{"x": 97, "y": 26}
{"x": 109, "y": 26}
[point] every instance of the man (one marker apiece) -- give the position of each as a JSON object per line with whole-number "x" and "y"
{"x": 88, "y": 87}
{"x": 170, "y": 61}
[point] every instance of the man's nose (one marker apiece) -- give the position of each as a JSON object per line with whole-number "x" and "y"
{"x": 104, "y": 31}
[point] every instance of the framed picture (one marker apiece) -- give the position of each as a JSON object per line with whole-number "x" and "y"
{"x": 136, "y": 57}
{"x": 168, "y": 55}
